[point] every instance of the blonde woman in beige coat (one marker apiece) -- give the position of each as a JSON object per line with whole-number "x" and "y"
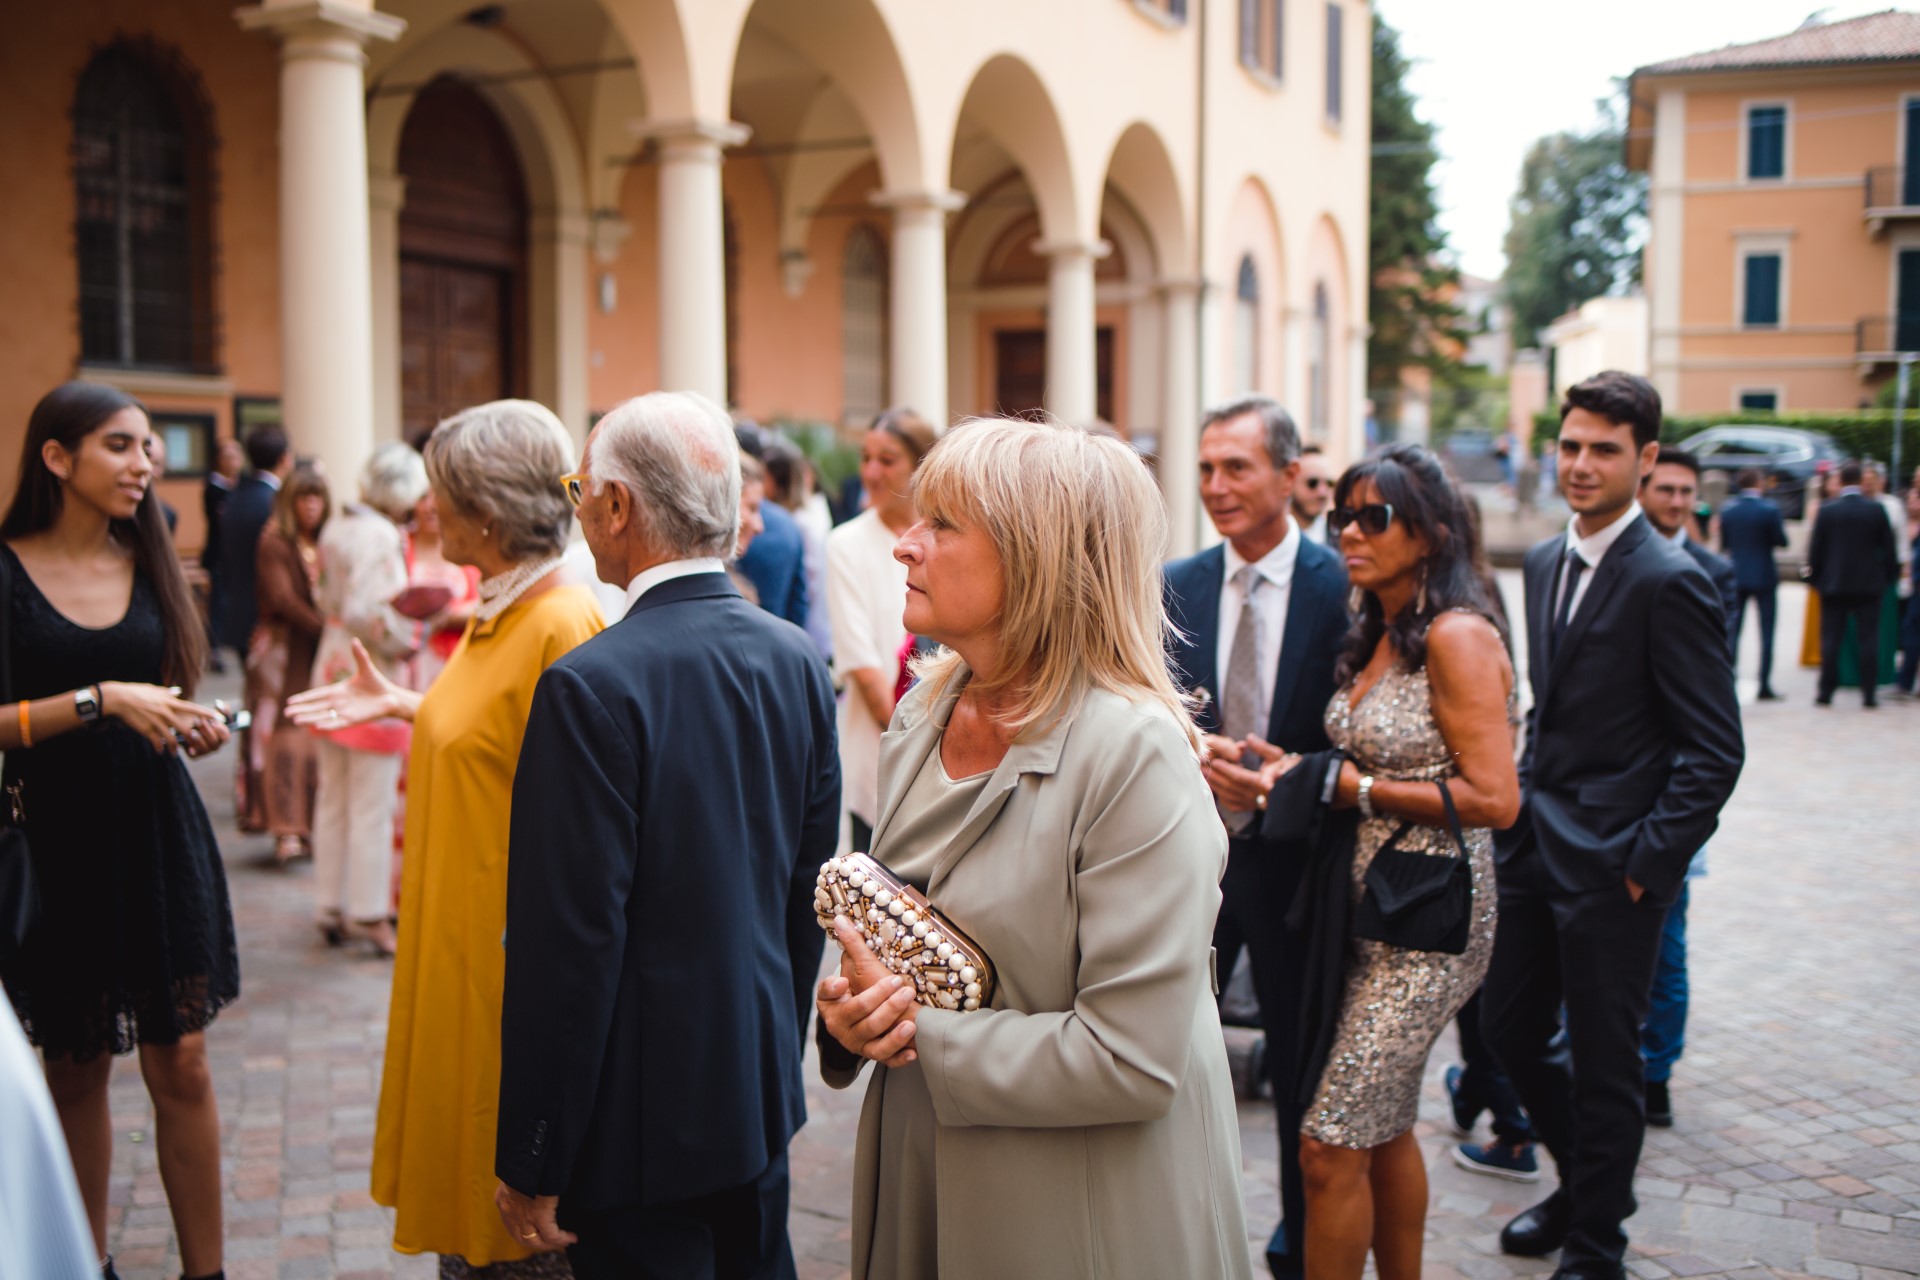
{"x": 1041, "y": 785}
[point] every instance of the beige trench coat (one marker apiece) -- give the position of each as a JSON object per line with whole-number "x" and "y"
{"x": 1086, "y": 1118}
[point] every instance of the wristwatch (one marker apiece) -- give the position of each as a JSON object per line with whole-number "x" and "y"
{"x": 1365, "y": 796}
{"x": 86, "y": 703}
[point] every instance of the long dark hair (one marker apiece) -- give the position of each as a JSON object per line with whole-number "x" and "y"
{"x": 68, "y": 414}
{"x": 1426, "y": 500}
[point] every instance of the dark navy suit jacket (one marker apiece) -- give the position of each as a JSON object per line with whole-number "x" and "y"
{"x": 1316, "y": 625}
{"x": 247, "y": 513}
{"x": 775, "y": 564}
{"x": 677, "y": 791}
{"x": 1750, "y": 531}
{"x": 1725, "y": 585}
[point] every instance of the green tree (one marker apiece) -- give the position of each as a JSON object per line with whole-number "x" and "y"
{"x": 1410, "y": 297}
{"x": 1575, "y": 226}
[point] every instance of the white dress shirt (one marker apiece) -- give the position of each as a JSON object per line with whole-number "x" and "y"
{"x": 647, "y": 579}
{"x": 1591, "y": 549}
{"x": 1276, "y": 590}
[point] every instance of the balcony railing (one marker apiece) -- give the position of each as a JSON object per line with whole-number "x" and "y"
{"x": 1885, "y": 338}
{"x": 1893, "y": 194}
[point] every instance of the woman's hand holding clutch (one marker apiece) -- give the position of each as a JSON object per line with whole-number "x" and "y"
{"x": 866, "y": 1008}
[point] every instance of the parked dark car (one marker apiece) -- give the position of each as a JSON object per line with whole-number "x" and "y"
{"x": 1791, "y": 458}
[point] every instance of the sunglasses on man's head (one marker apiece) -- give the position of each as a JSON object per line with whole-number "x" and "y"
{"x": 1373, "y": 518}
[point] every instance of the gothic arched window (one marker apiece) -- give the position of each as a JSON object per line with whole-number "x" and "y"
{"x": 863, "y": 326}
{"x": 143, "y": 188}
{"x": 1246, "y": 328}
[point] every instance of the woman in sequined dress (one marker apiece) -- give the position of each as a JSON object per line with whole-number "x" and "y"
{"x": 1425, "y": 695}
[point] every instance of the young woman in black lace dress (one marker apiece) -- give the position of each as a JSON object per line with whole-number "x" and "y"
{"x": 134, "y": 946}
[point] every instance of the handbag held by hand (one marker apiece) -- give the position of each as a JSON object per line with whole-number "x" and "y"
{"x": 904, "y": 931}
{"x": 1418, "y": 901}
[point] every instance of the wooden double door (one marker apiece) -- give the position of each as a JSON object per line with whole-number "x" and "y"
{"x": 463, "y": 240}
{"x": 1020, "y": 371}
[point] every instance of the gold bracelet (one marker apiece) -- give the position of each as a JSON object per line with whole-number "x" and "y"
{"x": 26, "y": 724}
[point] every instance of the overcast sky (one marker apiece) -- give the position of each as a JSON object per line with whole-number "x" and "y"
{"x": 1493, "y": 75}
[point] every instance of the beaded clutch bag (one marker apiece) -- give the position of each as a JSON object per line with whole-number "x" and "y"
{"x": 906, "y": 933}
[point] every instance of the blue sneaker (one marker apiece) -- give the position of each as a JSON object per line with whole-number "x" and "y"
{"x": 1461, "y": 1113}
{"x": 1515, "y": 1162}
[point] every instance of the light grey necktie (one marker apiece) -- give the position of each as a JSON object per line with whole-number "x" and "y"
{"x": 1242, "y": 712}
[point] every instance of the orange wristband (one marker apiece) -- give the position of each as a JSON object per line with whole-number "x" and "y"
{"x": 26, "y": 724}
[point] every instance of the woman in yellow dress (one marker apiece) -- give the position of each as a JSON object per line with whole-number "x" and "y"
{"x": 496, "y": 479}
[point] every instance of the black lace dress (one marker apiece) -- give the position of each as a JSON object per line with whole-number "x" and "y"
{"x": 134, "y": 944}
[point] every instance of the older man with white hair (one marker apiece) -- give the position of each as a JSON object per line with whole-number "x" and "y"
{"x": 677, "y": 790}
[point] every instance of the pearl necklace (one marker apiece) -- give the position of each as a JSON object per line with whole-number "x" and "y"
{"x": 497, "y": 594}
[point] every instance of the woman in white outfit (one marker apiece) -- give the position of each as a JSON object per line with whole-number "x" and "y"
{"x": 363, "y": 566}
{"x": 866, "y": 594}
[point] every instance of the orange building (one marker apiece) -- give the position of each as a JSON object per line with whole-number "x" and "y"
{"x": 1783, "y": 255}
{"x": 360, "y": 216}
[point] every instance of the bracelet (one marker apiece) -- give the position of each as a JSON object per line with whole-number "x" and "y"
{"x": 26, "y": 724}
{"x": 1365, "y": 796}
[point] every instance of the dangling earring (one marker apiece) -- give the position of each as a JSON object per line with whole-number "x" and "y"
{"x": 1420, "y": 605}
{"x": 1355, "y": 599}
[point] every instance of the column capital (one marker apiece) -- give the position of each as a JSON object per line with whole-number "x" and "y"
{"x": 1179, "y": 287}
{"x": 1068, "y": 250}
{"x": 307, "y": 19}
{"x": 946, "y": 201}
{"x": 691, "y": 135}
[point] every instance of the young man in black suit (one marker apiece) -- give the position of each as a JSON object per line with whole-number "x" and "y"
{"x": 1751, "y": 530}
{"x": 213, "y": 504}
{"x": 1633, "y": 745}
{"x": 1667, "y": 496}
{"x": 1260, "y": 620}
{"x": 1851, "y": 562}
{"x": 677, "y": 791}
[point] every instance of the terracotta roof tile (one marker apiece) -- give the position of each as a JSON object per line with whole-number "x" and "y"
{"x": 1892, "y": 36}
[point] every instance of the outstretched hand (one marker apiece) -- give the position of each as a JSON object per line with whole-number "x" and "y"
{"x": 363, "y": 696}
{"x": 865, "y": 1007}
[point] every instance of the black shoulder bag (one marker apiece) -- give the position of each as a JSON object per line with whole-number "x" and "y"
{"x": 19, "y": 889}
{"x": 1418, "y": 901}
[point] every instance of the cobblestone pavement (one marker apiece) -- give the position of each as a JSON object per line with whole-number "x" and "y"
{"x": 1796, "y": 1152}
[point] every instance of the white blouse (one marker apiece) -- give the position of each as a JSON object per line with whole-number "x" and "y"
{"x": 866, "y": 594}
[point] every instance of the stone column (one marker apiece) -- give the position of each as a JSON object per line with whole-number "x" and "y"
{"x": 326, "y": 292}
{"x": 1180, "y": 412}
{"x": 557, "y": 293}
{"x": 386, "y": 196}
{"x": 917, "y": 307}
{"x": 693, "y": 269}
{"x": 1073, "y": 390}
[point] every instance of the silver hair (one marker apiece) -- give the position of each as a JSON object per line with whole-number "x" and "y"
{"x": 501, "y": 463}
{"x": 1283, "y": 438}
{"x": 676, "y": 453}
{"x": 393, "y": 481}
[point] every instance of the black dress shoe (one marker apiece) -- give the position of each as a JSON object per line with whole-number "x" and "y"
{"x": 1659, "y": 1105}
{"x": 1540, "y": 1230}
{"x": 1768, "y": 695}
{"x": 1589, "y": 1272}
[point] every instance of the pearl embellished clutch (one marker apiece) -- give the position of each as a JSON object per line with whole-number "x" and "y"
{"x": 904, "y": 930}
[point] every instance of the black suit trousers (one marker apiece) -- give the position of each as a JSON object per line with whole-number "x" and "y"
{"x": 1767, "y": 601}
{"x": 1593, "y": 955}
{"x": 739, "y": 1233}
{"x": 1834, "y": 612}
{"x": 1256, "y": 891}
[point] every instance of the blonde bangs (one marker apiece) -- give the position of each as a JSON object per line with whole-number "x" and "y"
{"x": 1081, "y": 530}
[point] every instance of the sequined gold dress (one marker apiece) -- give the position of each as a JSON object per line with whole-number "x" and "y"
{"x": 1396, "y": 1002}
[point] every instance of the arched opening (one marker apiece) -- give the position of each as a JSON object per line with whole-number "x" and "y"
{"x": 863, "y": 326}
{"x": 1246, "y": 327}
{"x": 1019, "y": 350}
{"x": 463, "y": 259}
{"x": 143, "y": 212}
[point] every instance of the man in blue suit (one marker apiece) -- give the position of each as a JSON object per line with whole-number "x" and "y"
{"x": 1751, "y": 530}
{"x": 775, "y": 561}
{"x": 677, "y": 791}
{"x": 1260, "y": 622}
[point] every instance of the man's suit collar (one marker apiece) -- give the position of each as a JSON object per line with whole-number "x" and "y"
{"x": 695, "y": 586}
